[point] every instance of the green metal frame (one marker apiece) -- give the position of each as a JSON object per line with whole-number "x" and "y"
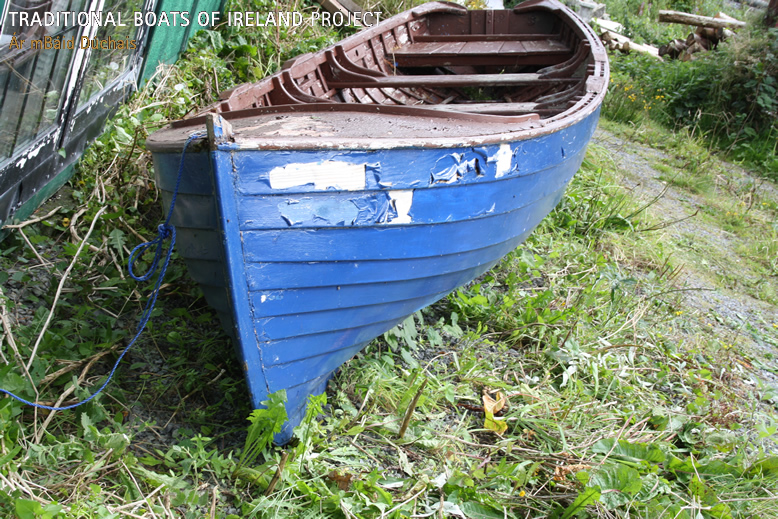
{"x": 49, "y": 171}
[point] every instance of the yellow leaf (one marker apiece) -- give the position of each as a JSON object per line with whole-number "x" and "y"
{"x": 491, "y": 423}
{"x": 494, "y": 406}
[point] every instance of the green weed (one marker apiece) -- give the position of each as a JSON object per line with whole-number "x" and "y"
{"x": 728, "y": 95}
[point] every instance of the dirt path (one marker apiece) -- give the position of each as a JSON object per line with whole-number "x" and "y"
{"x": 732, "y": 298}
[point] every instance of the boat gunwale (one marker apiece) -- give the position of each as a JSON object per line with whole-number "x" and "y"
{"x": 585, "y": 108}
{"x": 529, "y": 126}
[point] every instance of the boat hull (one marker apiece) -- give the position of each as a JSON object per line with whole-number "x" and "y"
{"x": 307, "y": 255}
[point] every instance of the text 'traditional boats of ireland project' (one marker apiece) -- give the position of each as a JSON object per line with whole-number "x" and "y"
{"x": 326, "y": 203}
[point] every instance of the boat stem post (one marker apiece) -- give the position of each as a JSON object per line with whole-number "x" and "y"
{"x": 219, "y": 130}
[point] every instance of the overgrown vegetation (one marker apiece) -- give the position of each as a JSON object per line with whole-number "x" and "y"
{"x": 608, "y": 393}
{"x": 728, "y": 95}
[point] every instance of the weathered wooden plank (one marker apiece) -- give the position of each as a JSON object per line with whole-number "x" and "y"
{"x": 699, "y": 21}
{"x": 487, "y": 53}
{"x": 490, "y": 108}
{"x": 459, "y": 80}
{"x": 479, "y": 37}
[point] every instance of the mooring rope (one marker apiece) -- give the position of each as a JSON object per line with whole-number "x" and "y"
{"x": 164, "y": 231}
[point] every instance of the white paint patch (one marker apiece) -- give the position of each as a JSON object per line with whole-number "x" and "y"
{"x": 30, "y": 154}
{"x": 323, "y": 175}
{"x": 402, "y": 200}
{"x": 270, "y": 296}
{"x": 503, "y": 159}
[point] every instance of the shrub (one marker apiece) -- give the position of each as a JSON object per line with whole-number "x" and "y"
{"x": 729, "y": 94}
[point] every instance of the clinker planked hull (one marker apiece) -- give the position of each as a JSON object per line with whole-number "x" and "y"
{"x": 314, "y": 227}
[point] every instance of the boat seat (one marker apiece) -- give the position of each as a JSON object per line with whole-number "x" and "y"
{"x": 493, "y": 108}
{"x": 344, "y": 73}
{"x": 484, "y": 37}
{"x": 352, "y": 80}
{"x": 481, "y": 52}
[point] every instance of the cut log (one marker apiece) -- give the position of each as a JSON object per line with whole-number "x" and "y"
{"x": 616, "y": 41}
{"x": 643, "y": 49}
{"x": 699, "y": 21}
{"x": 608, "y": 25}
{"x": 695, "y": 47}
{"x": 673, "y": 50}
{"x": 696, "y": 39}
{"x": 714, "y": 35}
{"x": 725, "y": 16}
{"x": 345, "y": 7}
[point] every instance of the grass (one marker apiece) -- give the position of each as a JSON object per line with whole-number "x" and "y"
{"x": 621, "y": 399}
{"x": 739, "y": 210}
{"x": 592, "y": 373}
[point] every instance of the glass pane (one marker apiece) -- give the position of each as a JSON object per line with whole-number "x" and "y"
{"x": 32, "y": 75}
{"x": 112, "y": 48}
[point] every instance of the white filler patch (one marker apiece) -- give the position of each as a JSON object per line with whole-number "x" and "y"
{"x": 402, "y": 201}
{"x": 323, "y": 175}
{"x": 503, "y": 159}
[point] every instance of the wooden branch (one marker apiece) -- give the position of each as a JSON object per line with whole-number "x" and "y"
{"x": 618, "y": 42}
{"x": 345, "y": 7}
{"x": 8, "y": 335}
{"x": 61, "y": 286}
{"x": 34, "y": 220}
{"x": 51, "y": 377}
{"x": 277, "y": 476}
{"x": 411, "y": 408}
{"x": 699, "y": 21}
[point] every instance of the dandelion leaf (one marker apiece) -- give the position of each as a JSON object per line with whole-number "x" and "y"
{"x": 618, "y": 484}
{"x": 630, "y": 451}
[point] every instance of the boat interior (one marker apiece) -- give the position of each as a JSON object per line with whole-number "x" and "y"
{"x": 531, "y": 62}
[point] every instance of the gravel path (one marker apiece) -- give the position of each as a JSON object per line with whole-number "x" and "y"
{"x": 726, "y": 313}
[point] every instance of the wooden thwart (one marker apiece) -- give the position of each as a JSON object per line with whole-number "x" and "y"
{"x": 491, "y": 108}
{"x": 458, "y": 80}
{"x": 493, "y": 52}
{"x": 480, "y": 37}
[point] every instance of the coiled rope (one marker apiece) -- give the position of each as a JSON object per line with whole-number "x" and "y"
{"x": 164, "y": 231}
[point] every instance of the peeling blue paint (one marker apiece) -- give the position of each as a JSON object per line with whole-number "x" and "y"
{"x": 265, "y": 296}
{"x": 452, "y": 167}
{"x": 376, "y": 208}
{"x": 308, "y": 211}
{"x": 373, "y": 177}
{"x": 313, "y": 274}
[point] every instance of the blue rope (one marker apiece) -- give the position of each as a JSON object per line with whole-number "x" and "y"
{"x": 164, "y": 231}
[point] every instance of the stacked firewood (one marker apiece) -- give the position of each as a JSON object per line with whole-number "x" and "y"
{"x": 615, "y": 41}
{"x": 709, "y": 32}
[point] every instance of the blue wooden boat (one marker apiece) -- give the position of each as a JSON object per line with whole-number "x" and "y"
{"x": 361, "y": 183}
